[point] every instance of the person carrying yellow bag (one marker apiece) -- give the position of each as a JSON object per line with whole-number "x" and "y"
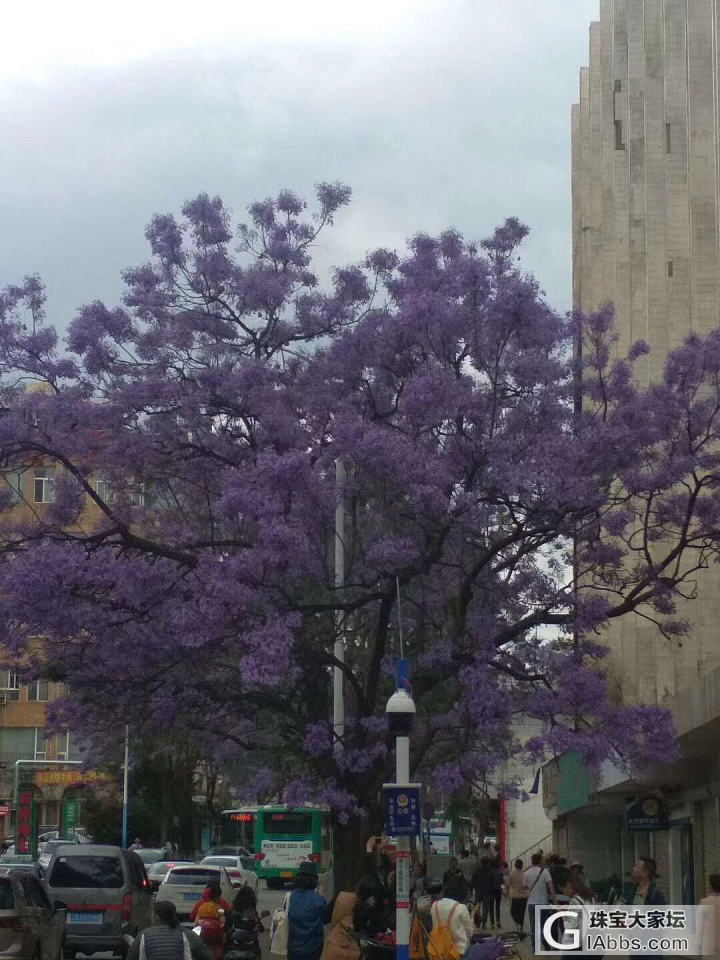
{"x": 451, "y": 930}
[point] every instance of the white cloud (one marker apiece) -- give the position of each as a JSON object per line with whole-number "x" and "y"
{"x": 437, "y": 112}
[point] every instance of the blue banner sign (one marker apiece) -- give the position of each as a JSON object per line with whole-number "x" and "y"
{"x": 402, "y": 810}
{"x": 402, "y": 675}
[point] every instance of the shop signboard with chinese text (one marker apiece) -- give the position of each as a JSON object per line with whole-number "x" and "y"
{"x": 26, "y": 830}
{"x": 646, "y": 814}
{"x": 69, "y": 819}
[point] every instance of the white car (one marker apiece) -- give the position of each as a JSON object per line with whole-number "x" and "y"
{"x": 48, "y": 849}
{"x": 239, "y": 870}
{"x": 184, "y": 885}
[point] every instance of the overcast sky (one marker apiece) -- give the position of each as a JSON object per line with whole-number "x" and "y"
{"x": 437, "y": 112}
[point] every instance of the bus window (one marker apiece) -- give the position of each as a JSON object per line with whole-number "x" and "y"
{"x": 287, "y": 824}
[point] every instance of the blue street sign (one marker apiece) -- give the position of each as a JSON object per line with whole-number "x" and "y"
{"x": 402, "y": 675}
{"x": 402, "y": 809}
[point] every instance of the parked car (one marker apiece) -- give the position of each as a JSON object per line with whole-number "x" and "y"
{"x": 158, "y": 871}
{"x": 239, "y": 869}
{"x": 48, "y": 849}
{"x": 32, "y": 927}
{"x": 21, "y": 863}
{"x": 107, "y": 895}
{"x": 184, "y": 886}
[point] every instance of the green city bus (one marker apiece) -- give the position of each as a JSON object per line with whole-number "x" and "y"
{"x": 282, "y": 837}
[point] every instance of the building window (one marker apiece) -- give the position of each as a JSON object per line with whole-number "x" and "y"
{"x": 619, "y": 145}
{"x": 38, "y": 691}
{"x": 40, "y": 744}
{"x": 668, "y": 138}
{"x": 44, "y": 485}
{"x": 104, "y": 490}
{"x": 670, "y": 268}
{"x": 618, "y": 86}
{"x": 9, "y": 686}
{"x": 62, "y": 746}
{"x": 137, "y": 496}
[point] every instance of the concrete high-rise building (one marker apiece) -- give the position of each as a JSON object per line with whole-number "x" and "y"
{"x": 646, "y": 237}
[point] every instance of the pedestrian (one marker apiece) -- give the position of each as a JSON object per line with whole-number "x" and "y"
{"x": 540, "y": 890}
{"x": 454, "y": 915}
{"x": 136, "y": 844}
{"x": 305, "y": 915}
{"x": 710, "y": 929}
{"x": 517, "y": 893}
{"x": 573, "y": 920}
{"x": 497, "y": 873}
{"x": 167, "y": 850}
{"x": 418, "y": 881}
{"x": 468, "y": 865}
{"x": 581, "y": 887}
{"x": 483, "y": 886}
{"x": 454, "y": 883}
{"x": 166, "y": 940}
{"x": 362, "y": 913}
{"x": 646, "y": 892}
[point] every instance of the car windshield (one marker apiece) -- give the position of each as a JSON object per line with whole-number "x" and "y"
{"x": 222, "y": 861}
{"x": 89, "y": 872}
{"x": 196, "y": 877}
{"x": 150, "y": 856}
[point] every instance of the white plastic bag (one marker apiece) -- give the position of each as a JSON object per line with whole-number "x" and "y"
{"x": 279, "y": 930}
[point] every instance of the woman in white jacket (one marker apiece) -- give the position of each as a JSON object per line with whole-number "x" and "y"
{"x": 450, "y": 913}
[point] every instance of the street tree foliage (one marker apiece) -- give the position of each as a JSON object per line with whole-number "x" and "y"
{"x": 202, "y": 421}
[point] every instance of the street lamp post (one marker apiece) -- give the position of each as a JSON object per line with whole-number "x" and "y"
{"x": 401, "y": 710}
{"x": 125, "y": 789}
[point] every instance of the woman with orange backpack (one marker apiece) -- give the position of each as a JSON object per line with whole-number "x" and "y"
{"x": 451, "y": 929}
{"x": 212, "y": 915}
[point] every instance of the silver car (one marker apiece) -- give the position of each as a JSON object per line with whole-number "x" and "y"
{"x": 31, "y": 926}
{"x": 107, "y": 895}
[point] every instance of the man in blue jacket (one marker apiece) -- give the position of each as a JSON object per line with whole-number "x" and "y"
{"x": 306, "y": 916}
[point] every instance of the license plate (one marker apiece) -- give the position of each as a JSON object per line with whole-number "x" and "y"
{"x": 190, "y": 896}
{"x": 78, "y": 917}
{"x": 286, "y": 874}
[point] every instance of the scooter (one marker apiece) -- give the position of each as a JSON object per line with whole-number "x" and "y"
{"x": 243, "y": 944}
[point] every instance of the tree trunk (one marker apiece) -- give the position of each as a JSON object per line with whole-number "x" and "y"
{"x": 352, "y": 863}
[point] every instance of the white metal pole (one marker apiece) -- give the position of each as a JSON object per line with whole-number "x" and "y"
{"x": 125, "y": 789}
{"x": 402, "y": 871}
{"x": 339, "y": 651}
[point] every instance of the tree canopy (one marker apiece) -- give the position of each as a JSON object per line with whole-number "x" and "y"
{"x": 183, "y": 575}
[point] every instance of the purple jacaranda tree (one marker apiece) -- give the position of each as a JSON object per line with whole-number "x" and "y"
{"x": 202, "y": 421}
